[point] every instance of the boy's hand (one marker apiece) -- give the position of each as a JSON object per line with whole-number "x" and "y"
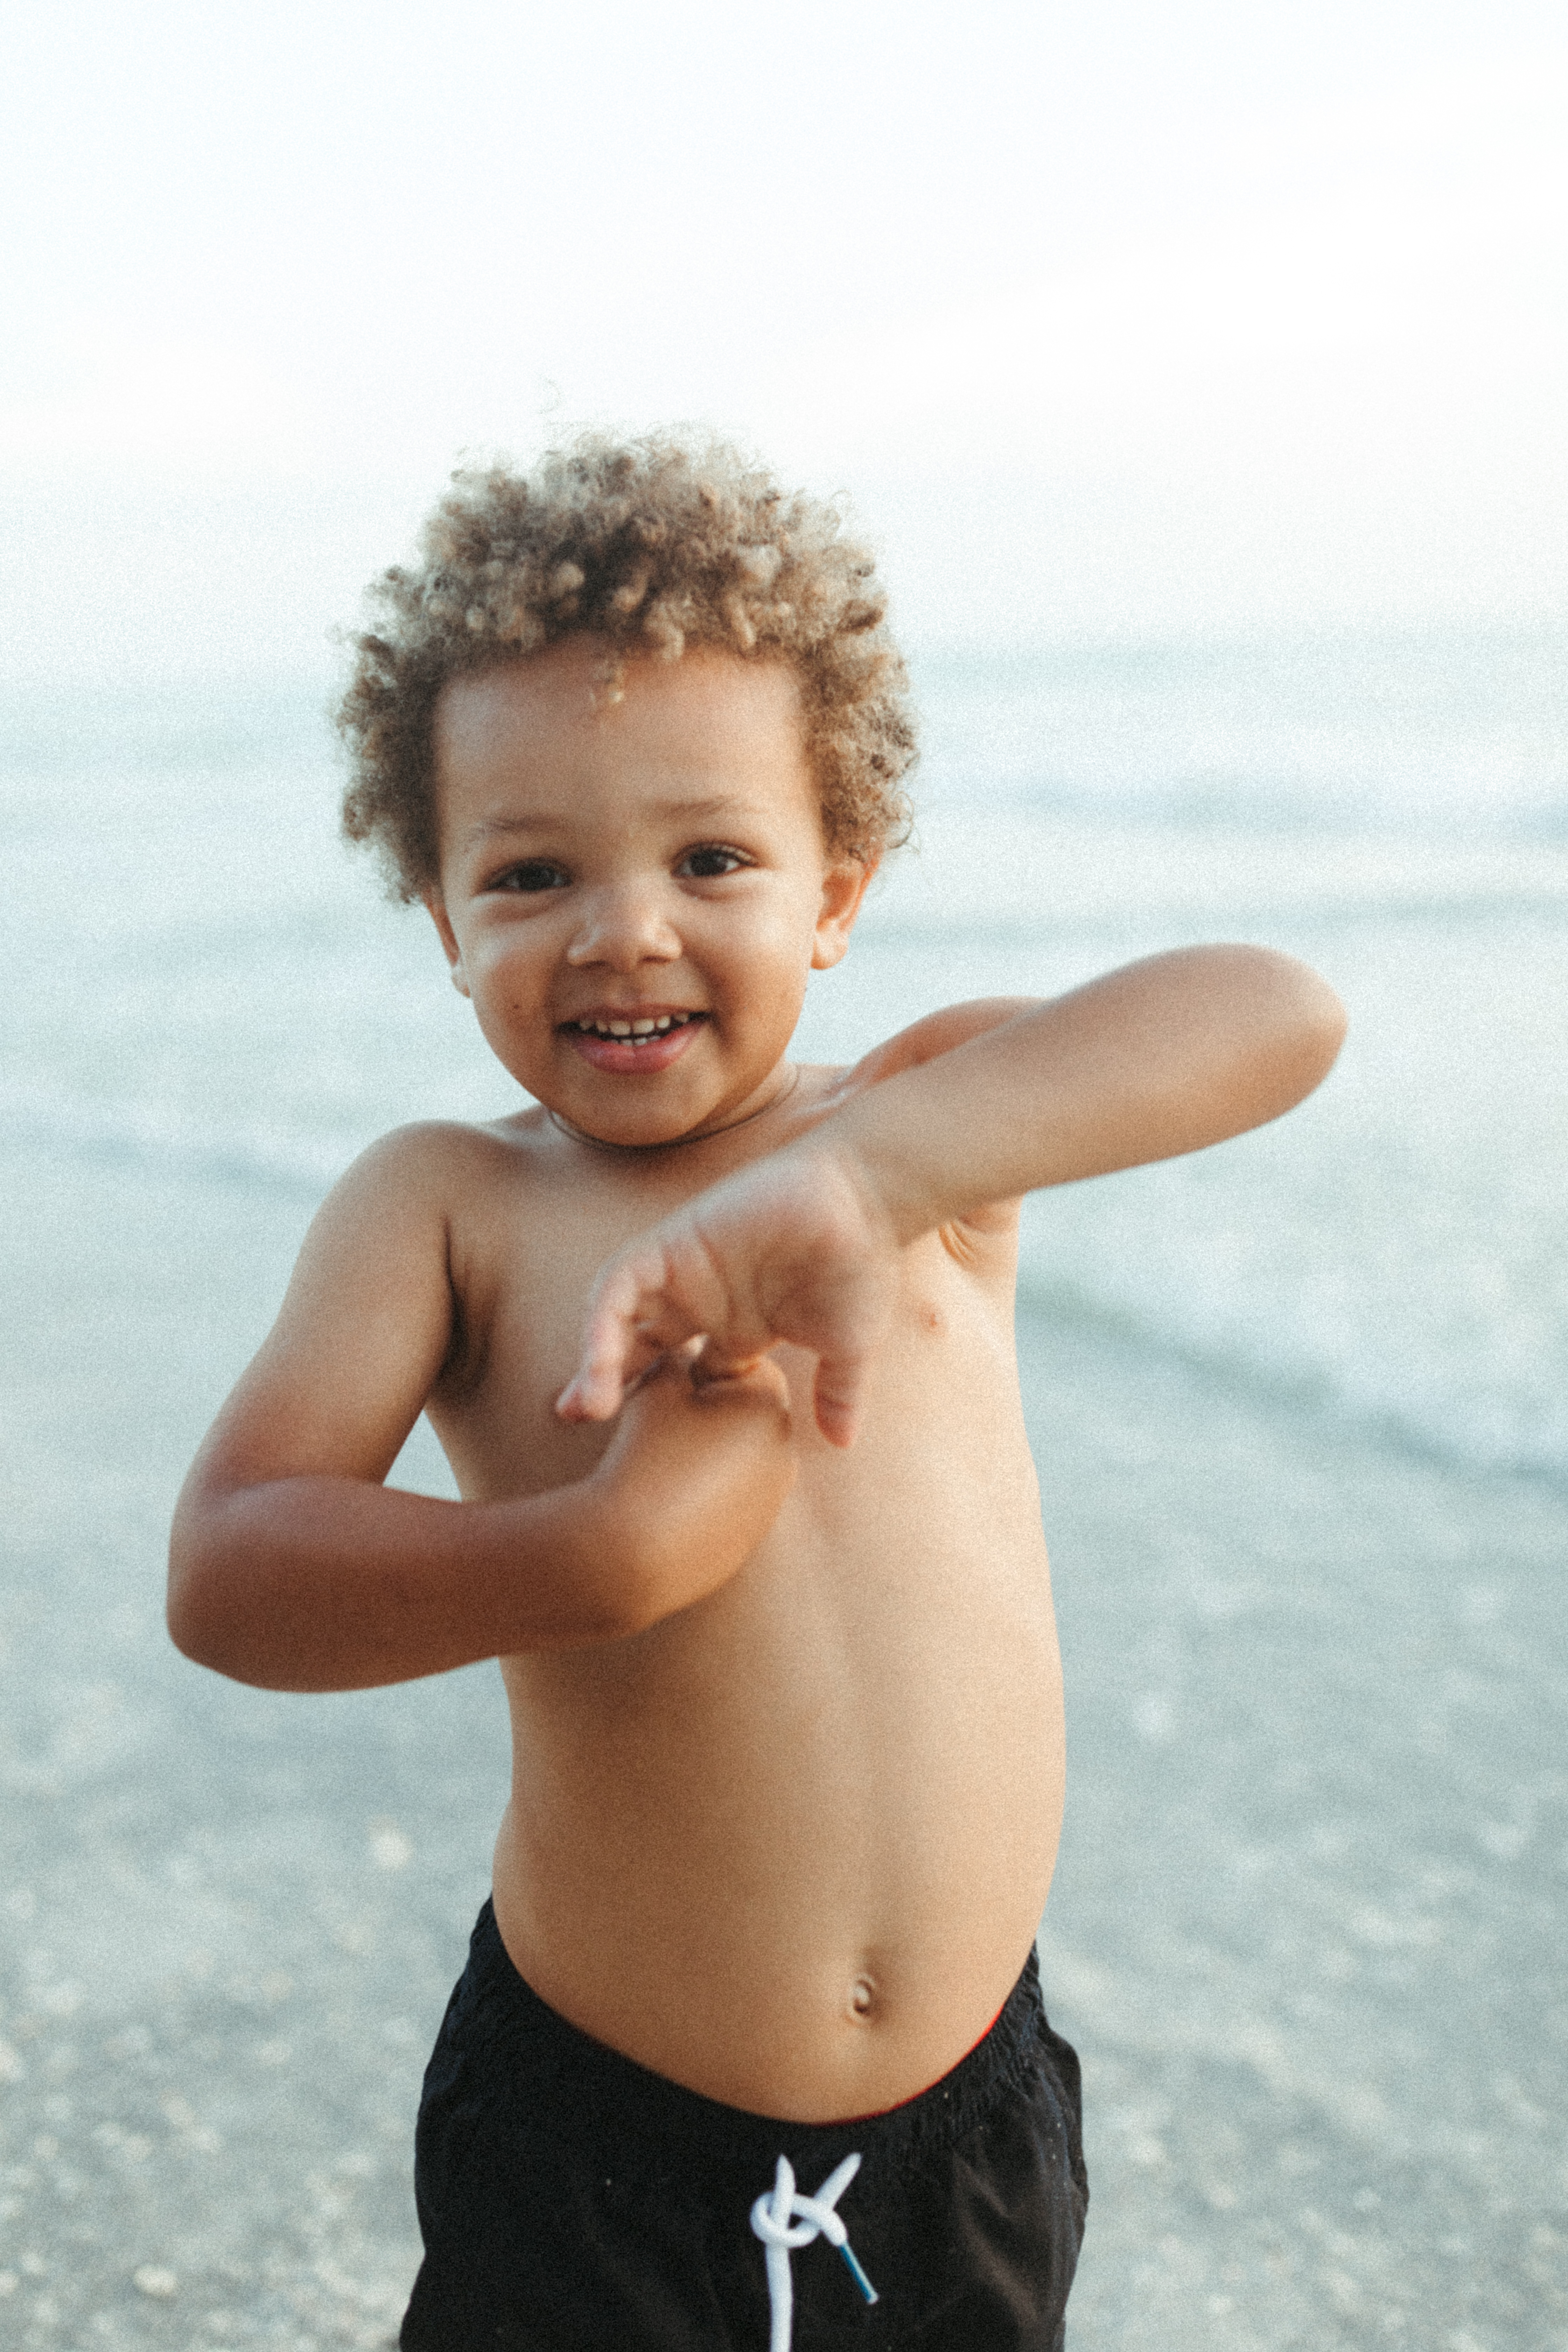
{"x": 1162, "y": 1057}
{"x": 791, "y": 1248}
{"x": 692, "y": 1482}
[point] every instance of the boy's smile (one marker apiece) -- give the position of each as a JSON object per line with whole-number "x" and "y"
{"x": 649, "y": 1042}
{"x": 633, "y": 892}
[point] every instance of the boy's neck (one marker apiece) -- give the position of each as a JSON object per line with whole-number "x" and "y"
{"x": 697, "y": 1135}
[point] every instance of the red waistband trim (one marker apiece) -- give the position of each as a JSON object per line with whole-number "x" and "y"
{"x": 873, "y": 2114}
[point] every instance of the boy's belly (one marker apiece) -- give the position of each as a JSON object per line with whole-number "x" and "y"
{"x": 790, "y": 1847}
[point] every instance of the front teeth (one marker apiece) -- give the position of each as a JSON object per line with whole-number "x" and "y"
{"x": 634, "y": 1029}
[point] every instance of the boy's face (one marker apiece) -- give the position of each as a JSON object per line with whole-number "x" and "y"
{"x": 650, "y": 869}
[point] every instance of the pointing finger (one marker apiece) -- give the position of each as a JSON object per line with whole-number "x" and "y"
{"x": 838, "y": 1397}
{"x": 630, "y": 1323}
{"x": 595, "y": 1391}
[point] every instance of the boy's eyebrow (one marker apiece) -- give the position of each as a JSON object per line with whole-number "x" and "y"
{"x": 491, "y": 828}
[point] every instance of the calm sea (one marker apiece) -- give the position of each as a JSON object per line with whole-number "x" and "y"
{"x": 198, "y": 978}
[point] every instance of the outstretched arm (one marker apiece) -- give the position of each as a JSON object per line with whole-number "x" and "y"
{"x": 1159, "y": 1058}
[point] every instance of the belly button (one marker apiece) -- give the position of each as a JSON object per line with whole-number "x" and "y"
{"x": 862, "y": 1998}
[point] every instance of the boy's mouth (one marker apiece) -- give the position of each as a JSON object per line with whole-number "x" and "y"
{"x": 626, "y": 1043}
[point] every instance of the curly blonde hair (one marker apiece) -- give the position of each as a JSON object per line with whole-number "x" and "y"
{"x": 653, "y": 545}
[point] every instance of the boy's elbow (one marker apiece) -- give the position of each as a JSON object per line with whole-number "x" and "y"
{"x": 194, "y": 1638}
{"x": 1291, "y": 1026}
{"x": 205, "y": 1628}
{"x": 199, "y": 1605}
{"x": 192, "y": 1609}
{"x": 1313, "y": 1021}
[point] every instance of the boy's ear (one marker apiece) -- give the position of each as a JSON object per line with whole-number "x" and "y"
{"x": 443, "y": 922}
{"x": 843, "y": 887}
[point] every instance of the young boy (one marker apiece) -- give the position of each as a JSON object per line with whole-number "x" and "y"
{"x": 760, "y": 1556}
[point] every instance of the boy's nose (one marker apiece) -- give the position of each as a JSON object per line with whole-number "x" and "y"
{"x": 623, "y": 927}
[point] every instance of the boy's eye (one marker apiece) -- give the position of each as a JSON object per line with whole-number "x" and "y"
{"x": 533, "y": 873}
{"x": 702, "y": 865}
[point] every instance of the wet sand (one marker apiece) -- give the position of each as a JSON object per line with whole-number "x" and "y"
{"x": 1306, "y": 1931}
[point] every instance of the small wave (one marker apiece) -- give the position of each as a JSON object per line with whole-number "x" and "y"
{"x": 1049, "y": 874}
{"x": 1496, "y": 1437}
{"x": 1261, "y": 918}
{"x": 1448, "y": 730}
{"x": 1475, "y": 811}
{"x": 125, "y": 1134}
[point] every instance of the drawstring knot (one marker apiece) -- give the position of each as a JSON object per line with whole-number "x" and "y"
{"x": 773, "y": 2221}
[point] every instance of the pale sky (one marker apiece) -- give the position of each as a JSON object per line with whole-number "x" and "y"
{"x": 1127, "y": 318}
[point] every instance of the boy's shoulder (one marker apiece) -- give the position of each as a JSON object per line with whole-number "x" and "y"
{"x": 435, "y": 1166}
{"x": 433, "y": 1148}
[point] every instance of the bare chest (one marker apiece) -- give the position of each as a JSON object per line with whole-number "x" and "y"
{"x": 523, "y": 1267}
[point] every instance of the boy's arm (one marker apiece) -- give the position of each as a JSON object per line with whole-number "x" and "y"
{"x": 1159, "y": 1058}
{"x": 937, "y": 1033}
{"x": 292, "y": 1567}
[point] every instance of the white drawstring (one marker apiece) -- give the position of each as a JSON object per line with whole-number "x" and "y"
{"x": 771, "y": 2218}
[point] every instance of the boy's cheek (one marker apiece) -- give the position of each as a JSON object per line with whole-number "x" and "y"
{"x": 501, "y": 981}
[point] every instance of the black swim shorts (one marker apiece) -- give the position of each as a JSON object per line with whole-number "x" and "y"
{"x": 573, "y": 2202}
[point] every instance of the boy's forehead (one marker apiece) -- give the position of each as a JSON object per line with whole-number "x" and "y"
{"x": 575, "y": 698}
{"x": 709, "y": 741}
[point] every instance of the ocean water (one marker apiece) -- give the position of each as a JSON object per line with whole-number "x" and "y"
{"x": 198, "y": 976}
{"x": 1299, "y": 1405}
